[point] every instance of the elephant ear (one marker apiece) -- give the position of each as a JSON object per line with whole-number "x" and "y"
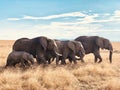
{"x": 106, "y": 43}
{"x": 99, "y": 42}
{"x": 43, "y": 42}
{"x": 78, "y": 45}
{"x": 51, "y": 44}
{"x": 71, "y": 46}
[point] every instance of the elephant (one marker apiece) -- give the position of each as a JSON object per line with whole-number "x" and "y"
{"x": 92, "y": 44}
{"x": 16, "y": 57}
{"x": 38, "y": 47}
{"x": 69, "y": 49}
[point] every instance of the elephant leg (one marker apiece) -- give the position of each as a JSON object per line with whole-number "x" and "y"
{"x": 49, "y": 61}
{"x": 73, "y": 58}
{"x": 48, "y": 58}
{"x": 81, "y": 56}
{"x": 97, "y": 55}
{"x": 38, "y": 60}
{"x": 52, "y": 59}
{"x": 70, "y": 59}
{"x": 26, "y": 63}
{"x": 82, "y": 60}
{"x": 8, "y": 64}
{"x": 42, "y": 60}
{"x": 95, "y": 59}
{"x": 22, "y": 63}
{"x": 57, "y": 60}
{"x": 100, "y": 59}
{"x": 12, "y": 64}
{"x": 41, "y": 57}
{"x": 63, "y": 61}
{"x": 64, "y": 57}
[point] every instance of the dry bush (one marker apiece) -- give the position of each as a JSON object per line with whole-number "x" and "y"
{"x": 113, "y": 84}
{"x": 82, "y": 76}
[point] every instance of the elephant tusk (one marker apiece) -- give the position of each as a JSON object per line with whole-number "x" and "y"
{"x": 58, "y": 54}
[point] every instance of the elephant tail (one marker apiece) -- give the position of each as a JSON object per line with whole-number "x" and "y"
{"x": 111, "y": 52}
{"x": 110, "y": 56}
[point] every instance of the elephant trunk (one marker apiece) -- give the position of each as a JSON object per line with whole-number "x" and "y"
{"x": 57, "y": 54}
{"x": 31, "y": 59}
{"x": 83, "y": 51}
{"x": 110, "y": 56}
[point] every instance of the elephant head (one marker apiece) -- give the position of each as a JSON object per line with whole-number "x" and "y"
{"x": 53, "y": 46}
{"x": 77, "y": 48}
{"x": 45, "y": 46}
{"x": 105, "y": 44}
{"x": 48, "y": 45}
{"x": 30, "y": 58}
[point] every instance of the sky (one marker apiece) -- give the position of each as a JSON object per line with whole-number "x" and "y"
{"x": 59, "y": 19}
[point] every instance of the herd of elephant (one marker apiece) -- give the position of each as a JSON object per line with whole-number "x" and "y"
{"x": 45, "y": 50}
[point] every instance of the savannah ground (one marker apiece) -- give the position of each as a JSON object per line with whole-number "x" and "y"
{"x": 83, "y": 76}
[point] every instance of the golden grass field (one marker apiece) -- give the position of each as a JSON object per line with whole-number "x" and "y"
{"x": 83, "y": 76}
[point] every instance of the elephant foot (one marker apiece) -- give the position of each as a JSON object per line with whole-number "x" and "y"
{"x": 44, "y": 65}
{"x": 82, "y": 61}
{"x": 95, "y": 61}
{"x": 63, "y": 63}
{"x": 75, "y": 62}
{"x": 100, "y": 61}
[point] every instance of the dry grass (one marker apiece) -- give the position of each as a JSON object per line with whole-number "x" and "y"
{"x": 87, "y": 76}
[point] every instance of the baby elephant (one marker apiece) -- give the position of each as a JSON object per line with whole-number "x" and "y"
{"x": 21, "y": 57}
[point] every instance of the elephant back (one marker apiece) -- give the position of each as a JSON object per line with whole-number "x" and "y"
{"x": 21, "y": 44}
{"x": 88, "y": 43}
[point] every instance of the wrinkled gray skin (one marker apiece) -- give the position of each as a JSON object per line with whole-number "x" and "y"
{"x": 69, "y": 49}
{"x": 38, "y": 47}
{"x": 92, "y": 44}
{"x": 16, "y": 57}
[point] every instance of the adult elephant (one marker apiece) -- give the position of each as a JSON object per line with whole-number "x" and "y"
{"x": 70, "y": 49}
{"x": 92, "y": 44}
{"x": 38, "y": 47}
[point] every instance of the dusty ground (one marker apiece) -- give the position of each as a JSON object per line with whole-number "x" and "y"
{"x": 87, "y": 76}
